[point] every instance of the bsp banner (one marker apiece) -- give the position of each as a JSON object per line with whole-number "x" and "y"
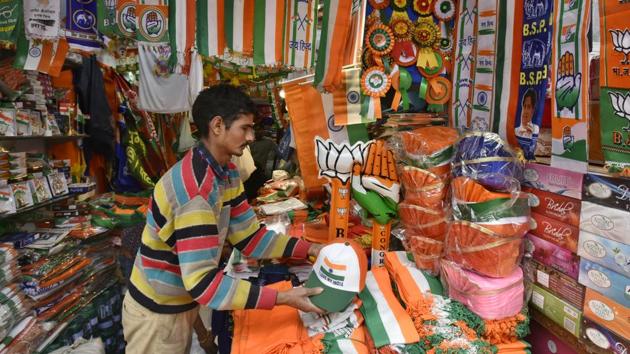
{"x": 534, "y": 72}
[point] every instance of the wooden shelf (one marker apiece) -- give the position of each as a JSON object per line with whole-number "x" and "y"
{"x": 59, "y": 138}
{"x": 36, "y": 206}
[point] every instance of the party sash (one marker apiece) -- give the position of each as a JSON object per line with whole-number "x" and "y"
{"x": 181, "y": 31}
{"x": 569, "y": 87}
{"x": 210, "y": 27}
{"x": 525, "y": 107}
{"x": 300, "y": 32}
{"x": 81, "y": 25}
{"x": 11, "y": 12}
{"x": 41, "y": 19}
{"x": 336, "y": 25}
{"x": 269, "y": 17}
{"x": 106, "y": 17}
{"x": 239, "y": 25}
{"x": 615, "y": 82}
{"x": 463, "y": 77}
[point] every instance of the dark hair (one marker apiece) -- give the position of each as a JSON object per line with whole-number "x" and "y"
{"x": 222, "y": 100}
{"x": 531, "y": 94}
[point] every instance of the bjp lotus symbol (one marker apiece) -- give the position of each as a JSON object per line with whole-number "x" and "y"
{"x": 621, "y": 42}
{"x": 621, "y": 106}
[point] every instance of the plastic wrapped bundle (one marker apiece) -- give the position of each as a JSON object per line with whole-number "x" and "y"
{"x": 423, "y": 221}
{"x": 426, "y": 252}
{"x": 486, "y": 158}
{"x": 423, "y": 188}
{"x": 490, "y": 298}
{"x": 429, "y": 148}
{"x": 480, "y": 249}
{"x": 506, "y": 214}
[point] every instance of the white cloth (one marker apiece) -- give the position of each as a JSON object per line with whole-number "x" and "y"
{"x": 338, "y": 323}
{"x": 83, "y": 346}
{"x": 195, "y": 76}
{"x": 159, "y": 90}
{"x": 41, "y": 19}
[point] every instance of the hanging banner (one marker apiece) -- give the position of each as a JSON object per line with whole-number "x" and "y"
{"x": 126, "y": 18}
{"x": 569, "y": 87}
{"x": 81, "y": 25}
{"x": 614, "y": 78}
{"x": 537, "y": 33}
{"x": 210, "y": 27}
{"x": 11, "y": 11}
{"x": 239, "y": 26}
{"x": 463, "y": 75}
{"x": 183, "y": 18}
{"x": 152, "y": 23}
{"x": 41, "y": 19}
{"x": 106, "y": 17}
{"x": 269, "y": 20}
{"x": 300, "y": 33}
{"x": 336, "y": 26}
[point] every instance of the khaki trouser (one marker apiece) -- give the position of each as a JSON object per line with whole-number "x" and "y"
{"x": 150, "y": 332}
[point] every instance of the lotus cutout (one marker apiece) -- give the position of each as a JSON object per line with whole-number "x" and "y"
{"x": 621, "y": 42}
{"x": 621, "y": 106}
{"x": 336, "y": 161}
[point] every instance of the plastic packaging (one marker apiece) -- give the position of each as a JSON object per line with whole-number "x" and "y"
{"x": 490, "y": 298}
{"x": 423, "y": 188}
{"x": 485, "y": 157}
{"x": 431, "y": 223}
{"x": 480, "y": 249}
{"x": 426, "y": 253}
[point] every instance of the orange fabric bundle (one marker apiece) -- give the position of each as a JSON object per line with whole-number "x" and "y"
{"x": 422, "y": 187}
{"x": 466, "y": 189}
{"x": 482, "y": 250}
{"x": 426, "y": 253}
{"x": 431, "y": 148}
{"x": 421, "y": 221}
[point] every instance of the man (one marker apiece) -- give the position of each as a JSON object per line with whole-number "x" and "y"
{"x": 196, "y": 206}
{"x": 528, "y": 109}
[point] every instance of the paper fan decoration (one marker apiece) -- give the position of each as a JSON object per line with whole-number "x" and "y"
{"x": 439, "y": 90}
{"x": 426, "y": 33}
{"x": 423, "y": 7}
{"x": 405, "y": 53}
{"x": 379, "y": 40}
{"x": 379, "y": 4}
{"x": 375, "y": 82}
{"x": 444, "y": 10}
{"x": 402, "y": 28}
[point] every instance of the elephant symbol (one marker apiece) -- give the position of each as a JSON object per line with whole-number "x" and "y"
{"x": 535, "y": 8}
{"x": 534, "y": 53}
{"x": 84, "y": 19}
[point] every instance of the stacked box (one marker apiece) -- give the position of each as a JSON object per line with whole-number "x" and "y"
{"x": 600, "y": 340}
{"x": 607, "y": 312}
{"x": 559, "y": 311}
{"x": 555, "y": 282}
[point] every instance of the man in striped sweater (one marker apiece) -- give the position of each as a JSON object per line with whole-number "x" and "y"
{"x": 197, "y": 206}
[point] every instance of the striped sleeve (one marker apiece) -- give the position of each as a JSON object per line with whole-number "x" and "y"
{"x": 254, "y": 240}
{"x": 197, "y": 245}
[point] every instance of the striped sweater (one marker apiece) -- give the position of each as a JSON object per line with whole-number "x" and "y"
{"x": 196, "y": 206}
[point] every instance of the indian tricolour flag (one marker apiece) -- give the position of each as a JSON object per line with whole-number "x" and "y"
{"x": 300, "y": 32}
{"x": 269, "y": 31}
{"x": 336, "y": 25}
{"x": 239, "y": 25}
{"x": 210, "y": 27}
{"x": 313, "y": 114}
{"x": 347, "y": 100}
{"x": 46, "y": 57}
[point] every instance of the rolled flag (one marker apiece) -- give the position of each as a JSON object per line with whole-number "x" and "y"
{"x": 269, "y": 17}
{"x": 211, "y": 27}
{"x": 239, "y": 25}
{"x": 300, "y": 33}
{"x": 46, "y": 57}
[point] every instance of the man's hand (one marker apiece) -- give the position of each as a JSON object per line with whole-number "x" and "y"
{"x": 313, "y": 251}
{"x": 298, "y": 298}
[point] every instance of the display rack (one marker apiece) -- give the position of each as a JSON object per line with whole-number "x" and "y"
{"x": 36, "y": 206}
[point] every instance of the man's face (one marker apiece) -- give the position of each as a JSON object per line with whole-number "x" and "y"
{"x": 239, "y": 135}
{"x": 528, "y": 110}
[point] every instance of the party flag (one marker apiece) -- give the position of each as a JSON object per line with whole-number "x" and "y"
{"x": 11, "y": 20}
{"x": 152, "y": 23}
{"x": 106, "y": 17}
{"x": 269, "y": 23}
{"x": 300, "y": 32}
{"x": 181, "y": 30}
{"x": 239, "y": 25}
{"x": 81, "y": 24}
{"x": 210, "y": 27}
{"x": 336, "y": 25}
{"x": 347, "y": 100}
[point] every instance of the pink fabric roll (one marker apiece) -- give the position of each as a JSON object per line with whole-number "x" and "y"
{"x": 490, "y": 298}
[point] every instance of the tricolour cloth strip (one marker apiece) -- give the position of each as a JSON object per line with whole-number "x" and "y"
{"x": 210, "y": 27}
{"x": 269, "y": 22}
{"x": 300, "y": 32}
{"x": 239, "y": 25}
{"x": 336, "y": 25}
{"x": 386, "y": 320}
{"x": 614, "y": 80}
{"x": 347, "y": 100}
{"x": 45, "y": 57}
{"x": 183, "y": 15}
{"x": 569, "y": 86}
{"x": 463, "y": 77}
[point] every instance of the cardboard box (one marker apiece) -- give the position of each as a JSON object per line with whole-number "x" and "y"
{"x": 608, "y": 191}
{"x": 607, "y": 313}
{"x": 556, "y": 232}
{"x": 555, "y": 282}
{"x": 605, "y": 281}
{"x": 554, "y": 180}
{"x": 610, "y": 223}
{"x": 555, "y": 206}
{"x": 600, "y": 340}
{"x": 611, "y": 254}
{"x": 545, "y": 342}
{"x": 552, "y": 256}
{"x": 561, "y": 312}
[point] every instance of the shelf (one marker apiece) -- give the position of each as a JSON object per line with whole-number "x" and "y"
{"x": 59, "y": 138}
{"x": 36, "y": 206}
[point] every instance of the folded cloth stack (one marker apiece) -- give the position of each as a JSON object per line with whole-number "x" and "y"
{"x": 25, "y": 337}
{"x": 13, "y": 308}
{"x": 429, "y": 148}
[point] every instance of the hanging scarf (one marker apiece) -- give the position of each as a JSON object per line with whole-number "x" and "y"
{"x": 239, "y": 26}
{"x": 569, "y": 86}
{"x": 300, "y": 33}
{"x": 106, "y": 17}
{"x": 463, "y": 75}
{"x": 183, "y": 17}
{"x": 81, "y": 25}
{"x": 269, "y": 17}
{"x": 615, "y": 84}
{"x": 41, "y": 19}
{"x": 9, "y": 23}
{"x": 210, "y": 27}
